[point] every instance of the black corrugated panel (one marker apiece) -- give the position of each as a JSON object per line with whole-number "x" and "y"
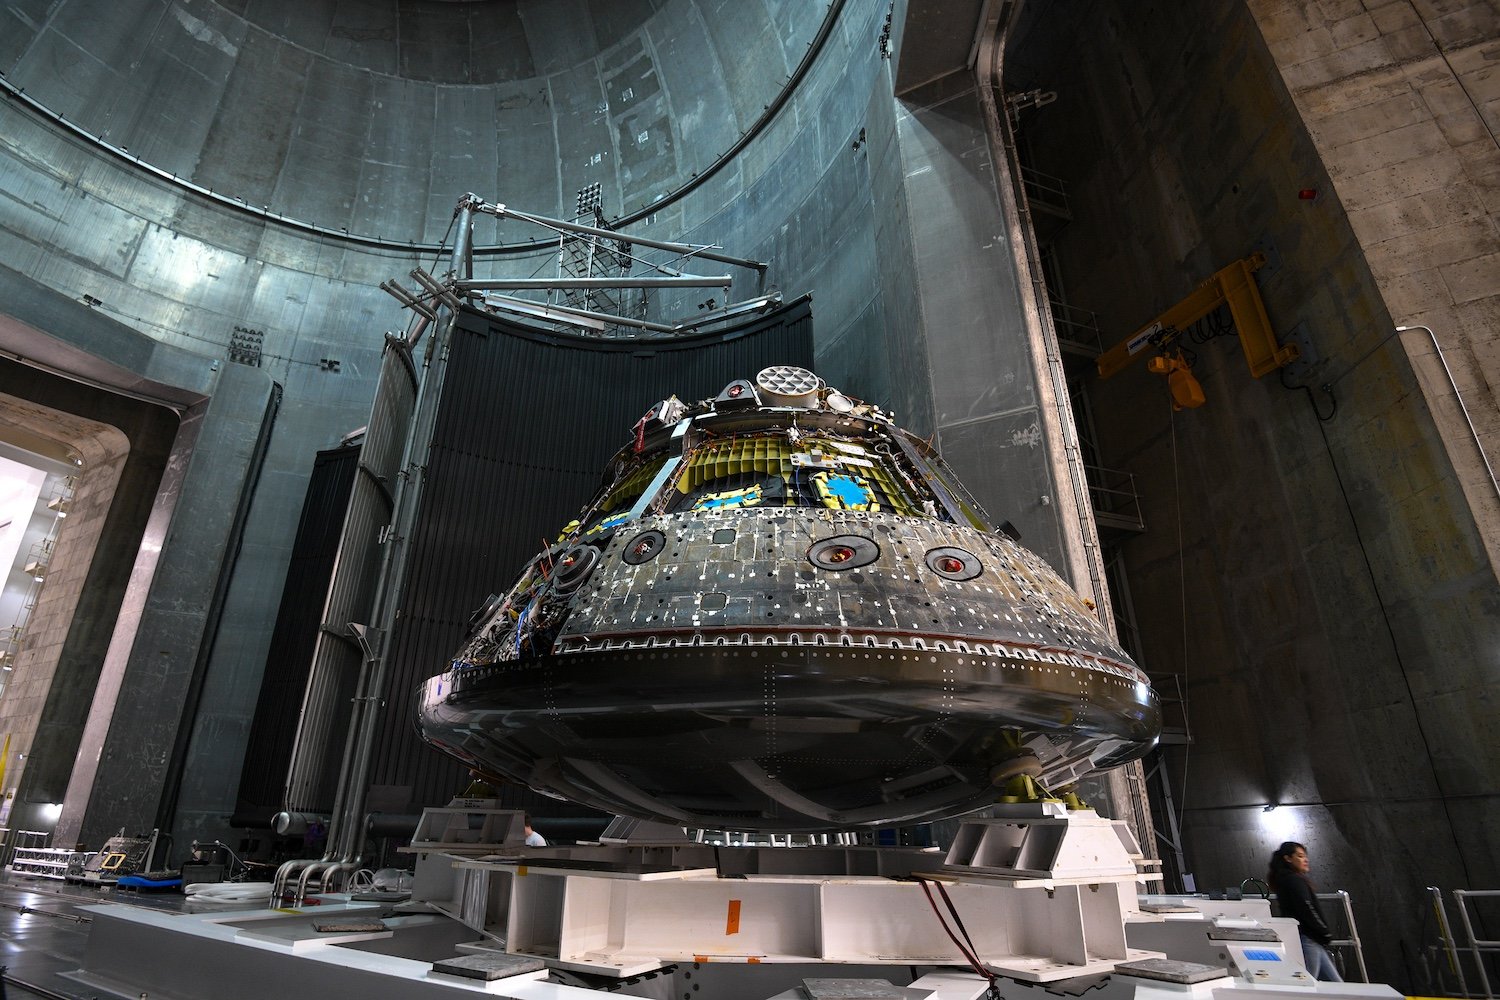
{"x": 527, "y": 423}
{"x": 290, "y": 655}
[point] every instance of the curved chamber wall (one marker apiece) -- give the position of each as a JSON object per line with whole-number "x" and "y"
{"x": 352, "y": 118}
{"x": 767, "y": 127}
{"x": 373, "y": 117}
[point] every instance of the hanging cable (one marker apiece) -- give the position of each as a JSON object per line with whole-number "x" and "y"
{"x": 1311, "y": 399}
{"x": 1218, "y": 323}
{"x": 965, "y": 950}
{"x": 1182, "y": 598}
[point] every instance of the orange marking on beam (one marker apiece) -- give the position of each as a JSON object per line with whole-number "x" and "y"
{"x": 732, "y": 924}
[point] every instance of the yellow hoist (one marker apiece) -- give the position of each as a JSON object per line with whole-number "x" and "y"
{"x": 1234, "y": 285}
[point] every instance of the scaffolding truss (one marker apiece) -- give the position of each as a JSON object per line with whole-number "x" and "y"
{"x": 602, "y": 280}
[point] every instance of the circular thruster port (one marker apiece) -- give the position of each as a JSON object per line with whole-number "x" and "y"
{"x": 573, "y": 567}
{"x": 843, "y": 552}
{"x": 644, "y": 547}
{"x": 954, "y": 564}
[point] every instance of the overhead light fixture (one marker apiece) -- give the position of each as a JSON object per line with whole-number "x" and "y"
{"x": 1278, "y": 821}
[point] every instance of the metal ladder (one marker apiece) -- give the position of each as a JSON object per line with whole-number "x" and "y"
{"x": 1477, "y": 948}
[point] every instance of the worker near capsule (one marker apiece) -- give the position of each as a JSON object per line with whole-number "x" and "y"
{"x": 1299, "y": 899}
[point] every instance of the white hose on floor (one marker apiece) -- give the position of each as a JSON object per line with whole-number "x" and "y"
{"x": 228, "y": 892}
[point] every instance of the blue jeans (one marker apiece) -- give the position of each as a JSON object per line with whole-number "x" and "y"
{"x": 1319, "y": 962}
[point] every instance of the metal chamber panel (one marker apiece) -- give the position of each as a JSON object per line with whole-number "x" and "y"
{"x": 289, "y": 660}
{"x": 339, "y": 114}
{"x": 302, "y": 717}
{"x": 527, "y": 422}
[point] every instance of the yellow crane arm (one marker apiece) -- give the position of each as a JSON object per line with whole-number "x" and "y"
{"x": 1234, "y": 284}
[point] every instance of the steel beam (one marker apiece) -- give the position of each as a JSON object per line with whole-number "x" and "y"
{"x": 686, "y": 249}
{"x": 685, "y": 281}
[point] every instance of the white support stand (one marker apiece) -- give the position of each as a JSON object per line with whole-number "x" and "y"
{"x": 469, "y": 825}
{"x": 465, "y": 829}
{"x": 1042, "y": 892}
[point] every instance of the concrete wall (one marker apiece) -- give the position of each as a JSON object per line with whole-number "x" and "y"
{"x": 1402, "y": 103}
{"x": 32, "y": 481}
{"x": 35, "y": 707}
{"x": 1312, "y": 565}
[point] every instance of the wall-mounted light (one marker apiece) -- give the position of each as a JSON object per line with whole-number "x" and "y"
{"x": 1278, "y": 821}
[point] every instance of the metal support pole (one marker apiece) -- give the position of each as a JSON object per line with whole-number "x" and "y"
{"x": 568, "y": 314}
{"x": 1175, "y": 840}
{"x": 463, "y": 240}
{"x": 346, "y": 830}
{"x": 707, "y": 253}
{"x": 682, "y": 281}
{"x": 407, "y": 299}
{"x": 599, "y": 320}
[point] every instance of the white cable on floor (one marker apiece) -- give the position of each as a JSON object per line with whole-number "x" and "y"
{"x": 228, "y": 892}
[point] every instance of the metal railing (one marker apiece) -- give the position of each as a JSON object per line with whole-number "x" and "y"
{"x": 1347, "y": 944}
{"x": 1046, "y": 191}
{"x": 12, "y": 841}
{"x": 1077, "y": 328}
{"x": 1171, "y": 690}
{"x": 1115, "y": 500}
{"x": 1476, "y": 948}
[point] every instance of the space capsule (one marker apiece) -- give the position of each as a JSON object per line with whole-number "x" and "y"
{"x": 782, "y": 612}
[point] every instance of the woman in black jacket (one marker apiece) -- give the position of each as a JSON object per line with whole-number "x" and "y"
{"x": 1297, "y": 898}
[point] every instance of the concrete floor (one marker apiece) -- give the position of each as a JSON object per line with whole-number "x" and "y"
{"x": 43, "y": 932}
